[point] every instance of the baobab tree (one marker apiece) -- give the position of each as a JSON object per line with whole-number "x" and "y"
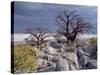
{"x": 38, "y": 37}
{"x": 70, "y": 23}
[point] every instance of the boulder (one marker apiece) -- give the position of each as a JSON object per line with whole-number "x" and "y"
{"x": 49, "y": 68}
{"x": 51, "y": 50}
{"x": 80, "y": 59}
{"x": 90, "y": 65}
{"x": 61, "y": 64}
{"x": 54, "y": 44}
{"x": 92, "y": 50}
{"x": 85, "y": 60}
{"x": 72, "y": 59}
{"x": 40, "y": 54}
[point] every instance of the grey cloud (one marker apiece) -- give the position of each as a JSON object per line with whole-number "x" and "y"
{"x": 41, "y": 14}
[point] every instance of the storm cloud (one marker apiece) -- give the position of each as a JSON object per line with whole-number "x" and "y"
{"x": 27, "y": 14}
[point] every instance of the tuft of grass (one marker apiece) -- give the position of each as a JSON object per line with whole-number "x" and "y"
{"x": 70, "y": 47}
{"x": 25, "y": 59}
{"x": 93, "y": 41}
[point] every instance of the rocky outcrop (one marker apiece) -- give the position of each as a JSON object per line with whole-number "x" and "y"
{"x": 81, "y": 58}
{"x": 92, "y": 50}
{"x": 61, "y": 64}
{"x": 86, "y": 61}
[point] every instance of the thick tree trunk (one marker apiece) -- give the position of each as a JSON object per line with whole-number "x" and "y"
{"x": 71, "y": 38}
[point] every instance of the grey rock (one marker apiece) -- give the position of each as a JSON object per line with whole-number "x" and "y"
{"x": 49, "y": 68}
{"x": 80, "y": 59}
{"x": 61, "y": 64}
{"x": 92, "y": 50}
{"x": 54, "y": 44}
{"x": 90, "y": 65}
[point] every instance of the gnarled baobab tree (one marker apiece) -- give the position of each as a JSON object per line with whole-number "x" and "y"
{"x": 70, "y": 23}
{"x": 38, "y": 37}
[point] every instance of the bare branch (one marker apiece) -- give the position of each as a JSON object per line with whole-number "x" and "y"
{"x": 38, "y": 36}
{"x": 70, "y": 24}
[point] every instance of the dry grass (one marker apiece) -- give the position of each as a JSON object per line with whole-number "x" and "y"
{"x": 24, "y": 59}
{"x": 70, "y": 47}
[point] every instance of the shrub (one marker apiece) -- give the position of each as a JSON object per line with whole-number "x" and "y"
{"x": 93, "y": 41}
{"x": 24, "y": 59}
{"x": 70, "y": 47}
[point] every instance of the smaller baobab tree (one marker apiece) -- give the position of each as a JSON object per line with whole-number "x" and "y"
{"x": 70, "y": 23}
{"x": 38, "y": 37}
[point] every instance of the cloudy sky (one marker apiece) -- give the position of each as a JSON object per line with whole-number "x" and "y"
{"x": 43, "y": 15}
